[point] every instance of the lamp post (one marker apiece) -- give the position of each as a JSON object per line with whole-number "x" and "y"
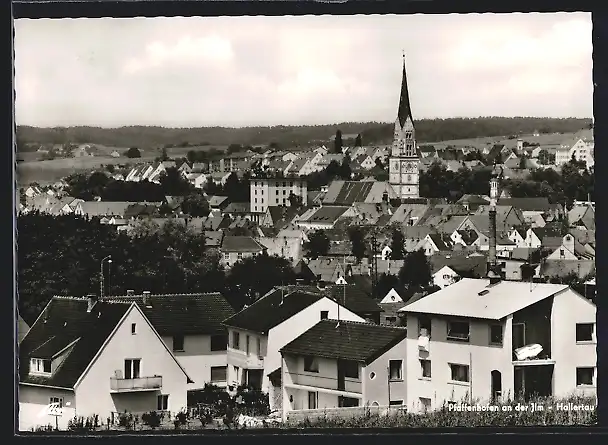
{"x": 101, "y": 284}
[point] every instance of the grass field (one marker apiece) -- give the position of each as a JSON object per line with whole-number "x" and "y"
{"x": 32, "y": 169}
{"x": 543, "y": 139}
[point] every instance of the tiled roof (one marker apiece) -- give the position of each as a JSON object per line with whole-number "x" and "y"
{"x": 105, "y": 208}
{"x": 326, "y": 214}
{"x": 271, "y": 310}
{"x": 462, "y": 263}
{"x": 240, "y": 244}
{"x": 539, "y": 204}
{"x": 216, "y": 201}
{"x": 349, "y": 192}
{"x": 188, "y": 314}
{"x": 347, "y": 340}
{"x": 237, "y": 207}
{"x": 67, "y": 321}
{"x": 353, "y": 297}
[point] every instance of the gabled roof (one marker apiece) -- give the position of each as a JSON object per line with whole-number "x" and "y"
{"x": 272, "y": 309}
{"x": 472, "y": 266}
{"x": 240, "y": 244}
{"x": 187, "y": 314}
{"x": 65, "y": 321}
{"x": 326, "y": 214}
{"x": 540, "y": 204}
{"x": 442, "y": 242}
{"x": 346, "y": 340}
{"x": 467, "y": 298}
{"x": 237, "y": 207}
{"x": 105, "y": 208}
{"x": 353, "y": 297}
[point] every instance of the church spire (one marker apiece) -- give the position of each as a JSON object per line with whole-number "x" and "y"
{"x": 405, "y": 110}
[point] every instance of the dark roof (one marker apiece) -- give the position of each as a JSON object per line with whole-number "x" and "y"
{"x": 405, "y": 110}
{"x": 302, "y": 270}
{"x": 539, "y": 204}
{"x": 237, "y": 207}
{"x": 272, "y": 309}
{"x": 471, "y": 266}
{"x": 282, "y": 216}
{"x": 327, "y": 214}
{"x": 232, "y": 243}
{"x": 347, "y": 340}
{"x": 351, "y": 192}
{"x": 68, "y": 322}
{"x": 187, "y": 314}
{"x": 353, "y": 297}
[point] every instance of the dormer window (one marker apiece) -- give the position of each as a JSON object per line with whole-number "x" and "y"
{"x": 40, "y": 366}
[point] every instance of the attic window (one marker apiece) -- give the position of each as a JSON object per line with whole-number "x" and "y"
{"x": 40, "y": 366}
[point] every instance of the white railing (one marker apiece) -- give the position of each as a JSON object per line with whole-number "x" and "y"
{"x": 138, "y": 384}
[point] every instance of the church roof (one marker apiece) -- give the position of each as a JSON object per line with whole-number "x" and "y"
{"x": 405, "y": 109}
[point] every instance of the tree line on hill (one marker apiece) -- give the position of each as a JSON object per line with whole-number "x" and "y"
{"x": 427, "y": 130}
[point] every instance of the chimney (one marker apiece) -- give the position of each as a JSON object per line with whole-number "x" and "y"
{"x": 146, "y": 298}
{"x": 91, "y": 300}
{"x": 130, "y": 292}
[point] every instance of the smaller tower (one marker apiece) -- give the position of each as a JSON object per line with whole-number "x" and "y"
{"x": 493, "y": 273}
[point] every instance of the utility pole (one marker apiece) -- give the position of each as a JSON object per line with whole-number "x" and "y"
{"x": 374, "y": 264}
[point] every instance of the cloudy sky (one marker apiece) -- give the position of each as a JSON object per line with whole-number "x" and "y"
{"x": 240, "y": 71}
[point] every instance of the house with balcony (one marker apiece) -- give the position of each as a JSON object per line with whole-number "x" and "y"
{"x": 486, "y": 340}
{"x": 191, "y": 326}
{"x": 258, "y": 332}
{"x": 88, "y": 357}
{"x": 343, "y": 364}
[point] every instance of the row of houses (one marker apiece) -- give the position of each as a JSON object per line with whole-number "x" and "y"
{"x": 313, "y": 350}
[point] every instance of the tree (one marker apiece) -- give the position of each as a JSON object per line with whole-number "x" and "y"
{"x": 133, "y": 152}
{"x": 173, "y": 183}
{"x": 233, "y": 148}
{"x": 357, "y": 239}
{"x": 415, "y": 274}
{"x": 164, "y": 156}
{"x": 294, "y": 200}
{"x": 345, "y": 171}
{"x": 253, "y": 277}
{"x": 543, "y": 157}
{"x": 358, "y": 142}
{"x": 522, "y": 162}
{"x": 318, "y": 244}
{"x": 195, "y": 205}
{"x": 397, "y": 245}
{"x": 338, "y": 142}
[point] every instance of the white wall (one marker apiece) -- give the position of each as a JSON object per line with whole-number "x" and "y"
{"x": 477, "y": 354}
{"x": 197, "y": 358}
{"x": 295, "y": 326}
{"x": 93, "y": 393}
{"x": 33, "y": 401}
{"x": 568, "y": 310}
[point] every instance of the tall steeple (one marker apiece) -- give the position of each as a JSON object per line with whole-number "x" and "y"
{"x": 404, "y": 163}
{"x": 405, "y": 110}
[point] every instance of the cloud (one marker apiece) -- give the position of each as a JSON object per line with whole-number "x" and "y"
{"x": 238, "y": 71}
{"x": 212, "y": 50}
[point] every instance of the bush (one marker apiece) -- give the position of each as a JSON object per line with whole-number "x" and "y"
{"x": 43, "y": 429}
{"x": 83, "y": 424}
{"x": 151, "y": 419}
{"x": 126, "y": 420}
{"x": 252, "y": 402}
{"x": 181, "y": 419}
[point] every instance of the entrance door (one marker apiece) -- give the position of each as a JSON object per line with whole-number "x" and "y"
{"x": 341, "y": 375}
{"x": 519, "y": 383}
{"x": 496, "y": 385}
{"x": 312, "y": 400}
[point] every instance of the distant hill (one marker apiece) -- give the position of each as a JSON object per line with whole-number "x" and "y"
{"x": 427, "y": 130}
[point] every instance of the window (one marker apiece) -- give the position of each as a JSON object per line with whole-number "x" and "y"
{"x": 218, "y": 342}
{"x": 458, "y": 330}
{"x": 426, "y": 404}
{"x": 351, "y": 369}
{"x": 178, "y": 342}
{"x": 425, "y": 366}
{"x": 312, "y": 400}
{"x": 162, "y": 402}
{"x": 347, "y": 402}
{"x": 247, "y": 344}
{"x": 496, "y": 334}
{"x": 324, "y": 315}
{"x": 259, "y": 346}
{"x": 395, "y": 368}
{"x": 460, "y": 373}
{"x": 239, "y": 256}
{"x": 584, "y": 332}
{"x": 133, "y": 328}
{"x": 585, "y": 376}
{"x": 236, "y": 340}
{"x": 255, "y": 200}
{"x": 40, "y": 366}
{"x": 310, "y": 364}
{"x": 424, "y": 323}
{"x": 227, "y": 256}
{"x": 132, "y": 368}
{"x": 396, "y": 403}
{"x": 277, "y": 200}
{"x": 57, "y": 401}
{"x": 391, "y": 320}
{"x": 218, "y": 373}
{"x": 562, "y": 253}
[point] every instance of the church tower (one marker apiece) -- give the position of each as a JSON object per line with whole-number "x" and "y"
{"x": 404, "y": 164}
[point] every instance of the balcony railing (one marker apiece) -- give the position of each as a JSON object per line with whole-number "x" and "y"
{"x": 138, "y": 384}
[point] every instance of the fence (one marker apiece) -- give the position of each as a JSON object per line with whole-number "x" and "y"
{"x": 343, "y": 413}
